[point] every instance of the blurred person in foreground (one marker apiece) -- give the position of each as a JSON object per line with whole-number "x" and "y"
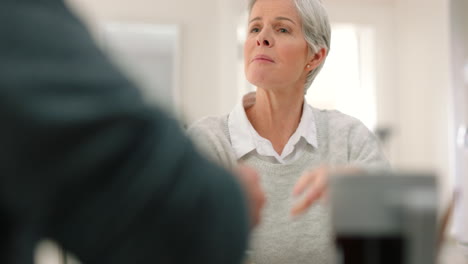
{"x": 85, "y": 162}
{"x": 292, "y": 145}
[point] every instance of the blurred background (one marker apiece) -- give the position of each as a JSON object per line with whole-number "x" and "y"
{"x": 401, "y": 66}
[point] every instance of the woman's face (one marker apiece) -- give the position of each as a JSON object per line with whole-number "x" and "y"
{"x": 275, "y": 51}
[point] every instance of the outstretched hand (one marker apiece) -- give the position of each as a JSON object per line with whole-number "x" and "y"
{"x": 313, "y": 185}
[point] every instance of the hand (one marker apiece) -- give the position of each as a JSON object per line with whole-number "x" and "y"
{"x": 314, "y": 186}
{"x": 250, "y": 181}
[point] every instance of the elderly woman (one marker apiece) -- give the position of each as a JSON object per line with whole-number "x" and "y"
{"x": 286, "y": 140}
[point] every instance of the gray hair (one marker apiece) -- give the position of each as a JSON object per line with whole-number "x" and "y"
{"x": 316, "y": 30}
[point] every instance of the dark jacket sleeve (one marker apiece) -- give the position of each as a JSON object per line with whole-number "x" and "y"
{"x": 83, "y": 161}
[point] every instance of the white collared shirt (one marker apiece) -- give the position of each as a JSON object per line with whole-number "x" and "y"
{"x": 245, "y": 139}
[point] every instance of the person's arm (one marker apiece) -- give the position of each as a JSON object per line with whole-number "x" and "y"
{"x": 365, "y": 150}
{"x": 85, "y": 162}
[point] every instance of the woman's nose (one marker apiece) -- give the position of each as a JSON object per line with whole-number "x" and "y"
{"x": 265, "y": 42}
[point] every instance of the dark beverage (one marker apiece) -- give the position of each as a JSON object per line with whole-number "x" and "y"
{"x": 370, "y": 250}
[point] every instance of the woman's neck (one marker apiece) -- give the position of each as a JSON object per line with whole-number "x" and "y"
{"x": 276, "y": 115}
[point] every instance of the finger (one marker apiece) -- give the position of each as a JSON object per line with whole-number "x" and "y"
{"x": 305, "y": 180}
{"x": 245, "y": 170}
{"x": 308, "y": 179}
{"x": 304, "y": 204}
{"x": 247, "y": 175}
{"x": 259, "y": 207}
{"x": 325, "y": 196}
{"x": 315, "y": 192}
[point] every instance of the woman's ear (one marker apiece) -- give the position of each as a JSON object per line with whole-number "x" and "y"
{"x": 316, "y": 59}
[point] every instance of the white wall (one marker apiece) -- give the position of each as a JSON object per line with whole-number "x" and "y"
{"x": 424, "y": 87}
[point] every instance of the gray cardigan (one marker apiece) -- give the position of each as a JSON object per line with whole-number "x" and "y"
{"x": 342, "y": 140}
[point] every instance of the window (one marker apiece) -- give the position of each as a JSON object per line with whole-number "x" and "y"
{"x": 148, "y": 53}
{"x": 347, "y": 80}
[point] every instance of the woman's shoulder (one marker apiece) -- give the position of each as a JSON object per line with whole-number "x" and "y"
{"x": 211, "y": 136}
{"x": 210, "y": 125}
{"x": 337, "y": 121}
{"x": 339, "y": 129}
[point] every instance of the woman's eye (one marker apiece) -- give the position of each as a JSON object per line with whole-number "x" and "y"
{"x": 283, "y": 30}
{"x": 254, "y": 30}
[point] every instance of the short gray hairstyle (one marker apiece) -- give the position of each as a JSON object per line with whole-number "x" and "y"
{"x": 315, "y": 27}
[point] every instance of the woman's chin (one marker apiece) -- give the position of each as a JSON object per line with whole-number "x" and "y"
{"x": 262, "y": 79}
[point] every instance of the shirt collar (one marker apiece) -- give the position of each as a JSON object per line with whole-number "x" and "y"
{"x": 307, "y": 128}
{"x": 244, "y": 138}
{"x": 240, "y": 129}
